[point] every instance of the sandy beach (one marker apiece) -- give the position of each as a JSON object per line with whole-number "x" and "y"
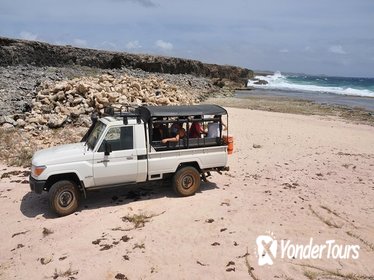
{"x": 292, "y": 177}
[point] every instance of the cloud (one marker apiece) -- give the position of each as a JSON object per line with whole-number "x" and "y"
{"x": 144, "y": 3}
{"x": 28, "y": 36}
{"x": 133, "y": 45}
{"x": 284, "y": 51}
{"x": 166, "y": 46}
{"x": 108, "y": 45}
{"x": 338, "y": 49}
{"x": 80, "y": 42}
{"x": 60, "y": 43}
{"x": 308, "y": 49}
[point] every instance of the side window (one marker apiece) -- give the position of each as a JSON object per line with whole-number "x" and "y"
{"x": 127, "y": 138}
{"x": 120, "y": 138}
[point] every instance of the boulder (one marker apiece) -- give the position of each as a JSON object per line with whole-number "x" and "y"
{"x": 42, "y": 120}
{"x": 30, "y": 127}
{"x": 46, "y": 109}
{"x": 260, "y": 82}
{"x": 77, "y": 111}
{"x": 7, "y": 119}
{"x": 21, "y": 123}
{"x": 60, "y": 95}
{"x": 136, "y": 85}
{"x": 7, "y": 126}
{"x": 82, "y": 88}
{"x": 33, "y": 120}
{"x": 56, "y": 121}
{"x": 84, "y": 120}
{"x": 77, "y": 101}
{"x": 45, "y": 101}
{"x": 61, "y": 86}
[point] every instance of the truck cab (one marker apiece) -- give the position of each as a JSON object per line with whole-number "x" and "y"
{"x": 121, "y": 149}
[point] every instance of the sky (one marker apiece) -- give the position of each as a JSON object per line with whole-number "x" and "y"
{"x": 331, "y": 37}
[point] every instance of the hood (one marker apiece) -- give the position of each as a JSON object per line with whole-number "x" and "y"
{"x": 59, "y": 154}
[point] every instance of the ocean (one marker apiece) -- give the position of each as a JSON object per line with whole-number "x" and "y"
{"x": 348, "y": 91}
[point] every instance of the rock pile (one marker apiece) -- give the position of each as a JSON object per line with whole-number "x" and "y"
{"x": 72, "y": 101}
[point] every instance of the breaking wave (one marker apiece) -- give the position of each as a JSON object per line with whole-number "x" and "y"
{"x": 324, "y": 84}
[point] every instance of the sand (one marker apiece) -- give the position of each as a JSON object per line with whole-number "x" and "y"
{"x": 292, "y": 177}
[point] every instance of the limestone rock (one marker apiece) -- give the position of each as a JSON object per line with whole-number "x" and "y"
{"x": 136, "y": 85}
{"x": 77, "y": 111}
{"x": 30, "y": 127}
{"x": 7, "y": 119}
{"x": 21, "y": 123}
{"x": 56, "y": 121}
{"x": 84, "y": 120}
{"x": 7, "y": 126}
{"x": 33, "y": 120}
{"x": 82, "y": 88}
{"x": 42, "y": 120}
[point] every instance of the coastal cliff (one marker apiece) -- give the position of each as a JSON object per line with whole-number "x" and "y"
{"x": 21, "y": 52}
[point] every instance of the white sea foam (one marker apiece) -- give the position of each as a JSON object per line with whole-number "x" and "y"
{"x": 277, "y": 81}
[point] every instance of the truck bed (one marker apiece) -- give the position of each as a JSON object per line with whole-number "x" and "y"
{"x": 163, "y": 162}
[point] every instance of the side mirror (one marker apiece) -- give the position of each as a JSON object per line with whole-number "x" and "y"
{"x": 107, "y": 148}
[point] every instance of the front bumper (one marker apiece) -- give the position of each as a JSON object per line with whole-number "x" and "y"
{"x": 36, "y": 186}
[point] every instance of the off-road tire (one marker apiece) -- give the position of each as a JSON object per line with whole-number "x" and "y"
{"x": 64, "y": 197}
{"x": 186, "y": 181}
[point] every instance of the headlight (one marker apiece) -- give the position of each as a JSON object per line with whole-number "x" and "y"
{"x": 37, "y": 170}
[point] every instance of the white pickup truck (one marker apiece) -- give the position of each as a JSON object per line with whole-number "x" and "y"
{"x": 125, "y": 148}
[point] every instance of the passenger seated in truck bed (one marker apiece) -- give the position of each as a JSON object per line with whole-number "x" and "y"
{"x": 159, "y": 130}
{"x": 196, "y": 129}
{"x": 215, "y": 127}
{"x": 177, "y": 133}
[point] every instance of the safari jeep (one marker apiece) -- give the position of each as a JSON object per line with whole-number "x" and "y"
{"x": 121, "y": 149}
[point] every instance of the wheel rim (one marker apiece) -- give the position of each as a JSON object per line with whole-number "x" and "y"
{"x": 65, "y": 198}
{"x": 187, "y": 182}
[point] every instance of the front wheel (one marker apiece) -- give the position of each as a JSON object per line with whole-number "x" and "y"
{"x": 63, "y": 197}
{"x": 186, "y": 181}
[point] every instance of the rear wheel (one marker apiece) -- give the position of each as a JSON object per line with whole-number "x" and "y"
{"x": 186, "y": 181}
{"x": 63, "y": 197}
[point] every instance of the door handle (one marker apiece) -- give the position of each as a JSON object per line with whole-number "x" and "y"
{"x": 105, "y": 160}
{"x": 130, "y": 157}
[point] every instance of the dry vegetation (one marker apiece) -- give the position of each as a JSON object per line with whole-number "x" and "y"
{"x": 139, "y": 220}
{"x": 46, "y": 232}
{"x": 328, "y": 222}
{"x": 65, "y": 274}
{"x": 323, "y": 273}
{"x": 18, "y": 146}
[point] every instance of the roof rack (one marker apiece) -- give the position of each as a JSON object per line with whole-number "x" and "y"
{"x": 130, "y": 112}
{"x": 148, "y": 112}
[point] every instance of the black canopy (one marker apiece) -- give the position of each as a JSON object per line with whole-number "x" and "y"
{"x": 147, "y": 112}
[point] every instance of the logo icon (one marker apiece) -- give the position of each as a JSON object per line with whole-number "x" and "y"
{"x": 266, "y": 249}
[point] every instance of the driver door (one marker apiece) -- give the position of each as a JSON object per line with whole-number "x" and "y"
{"x": 120, "y": 166}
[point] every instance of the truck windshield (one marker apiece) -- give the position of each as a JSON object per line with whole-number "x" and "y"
{"x": 95, "y": 135}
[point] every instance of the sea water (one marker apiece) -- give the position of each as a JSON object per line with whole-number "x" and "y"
{"x": 323, "y": 84}
{"x": 346, "y": 91}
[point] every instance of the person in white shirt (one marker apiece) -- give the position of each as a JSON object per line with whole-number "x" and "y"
{"x": 214, "y": 128}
